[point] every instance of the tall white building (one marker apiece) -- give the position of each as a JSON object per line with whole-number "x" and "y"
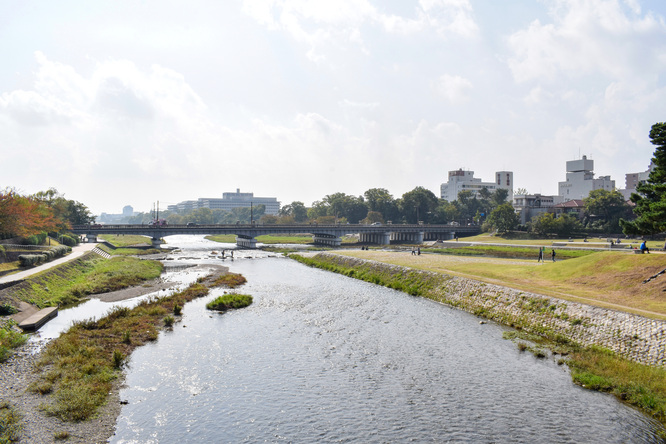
{"x": 580, "y": 180}
{"x": 461, "y": 180}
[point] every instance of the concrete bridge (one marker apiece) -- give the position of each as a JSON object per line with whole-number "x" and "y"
{"x": 321, "y": 234}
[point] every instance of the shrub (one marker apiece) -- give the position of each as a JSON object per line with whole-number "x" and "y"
{"x": 177, "y": 310}
{"x": 70, "y": 241}
{"x": 29, "y": 260}
{"x": 118, "y": 359}
{"x": 169, "y": 321}
{"x": 229, "y": 301}
{"x": 36, "y": 239}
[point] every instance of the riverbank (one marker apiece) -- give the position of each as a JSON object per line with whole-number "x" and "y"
{"x": 20, "y": 373}
{"x": 601, "y": 344}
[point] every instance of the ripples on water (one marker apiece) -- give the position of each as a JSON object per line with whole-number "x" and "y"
{"x": 321, "y": 357}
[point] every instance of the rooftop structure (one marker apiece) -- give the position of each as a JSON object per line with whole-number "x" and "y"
{"x": 461, "y": 180}
{"x": 580, "y": 180}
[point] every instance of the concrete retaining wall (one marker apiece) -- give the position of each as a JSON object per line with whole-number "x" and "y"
{"x": 635, "y": 337}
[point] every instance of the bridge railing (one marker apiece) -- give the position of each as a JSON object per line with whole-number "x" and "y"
{"x": 387, "y": 227}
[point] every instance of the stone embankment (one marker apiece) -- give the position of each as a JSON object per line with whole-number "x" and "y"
{"x": 635, "y": 337}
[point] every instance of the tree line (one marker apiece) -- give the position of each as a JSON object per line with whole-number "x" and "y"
{"x": 33, "y": 216}
{"x": 603, "y": 211}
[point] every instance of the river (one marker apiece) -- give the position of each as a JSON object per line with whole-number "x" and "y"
{"x": 320, "y": 357}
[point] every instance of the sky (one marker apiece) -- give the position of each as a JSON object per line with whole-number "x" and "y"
{"x": 119, "y": 102}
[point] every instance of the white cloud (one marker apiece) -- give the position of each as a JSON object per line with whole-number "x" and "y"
{"x": 320, "y": 24}
{"x": 453, "y": 88}
{"x": 585, "y": 37}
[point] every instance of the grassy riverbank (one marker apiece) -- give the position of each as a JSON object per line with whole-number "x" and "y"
{"x": 606, "y": 279}
{"x": 509, "y": 252}
{"x": 591, "y": 367}
{"x": 90, "y": 274}
{"x": 299, "y": 239}
{"x": 128, "y": 245}
{"x": 79, "y": 366}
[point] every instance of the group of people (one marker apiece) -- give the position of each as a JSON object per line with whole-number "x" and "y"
{"x": 416, "y": 251}
{"x": 542, "y": 253}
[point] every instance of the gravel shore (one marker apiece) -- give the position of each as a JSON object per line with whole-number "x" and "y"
{"x": 15, "y": 377}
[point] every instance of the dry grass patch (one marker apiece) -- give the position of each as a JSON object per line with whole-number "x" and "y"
{"x": 608, "y": 279}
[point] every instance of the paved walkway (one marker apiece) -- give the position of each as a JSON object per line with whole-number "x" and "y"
{"x": 77, "y": 251}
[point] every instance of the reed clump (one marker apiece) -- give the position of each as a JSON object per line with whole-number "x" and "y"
{"x": 229, "y": 302}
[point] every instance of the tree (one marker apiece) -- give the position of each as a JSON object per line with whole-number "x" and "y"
{"x": 296, "y": 210}
{"x": 380, "y": 200}
{"x": 468, "y": 206}
{"x": 65, "y": 211}
{"x": 23, "y": 216}
{"x": 503, "y": 218}
{"x": 650, "y": 196}
{"x": 416, "y": 205}
{"x": 607, "y": 207}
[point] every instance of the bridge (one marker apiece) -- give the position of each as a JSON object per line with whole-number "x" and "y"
{"x": 330, "y": 235}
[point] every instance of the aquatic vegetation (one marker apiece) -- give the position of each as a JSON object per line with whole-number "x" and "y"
{"x": 229, "y": 301}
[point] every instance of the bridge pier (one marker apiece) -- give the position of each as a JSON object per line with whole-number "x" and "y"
{"x": 327, "y": 239}
{"x": 375, "y": 238}
{"x": 91, "y": 238}
{"x": 448, "y": 235}
{"x": 156, "y": 242}
{"x": 409, "y": 237}
{"x": 246, "y": 242}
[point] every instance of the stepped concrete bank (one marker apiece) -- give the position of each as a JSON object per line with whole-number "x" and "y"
{"x": 635, "y": 337}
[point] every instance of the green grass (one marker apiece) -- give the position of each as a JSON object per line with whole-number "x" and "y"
{"x": 516, "y": 252}
{"x": 606, "y": 278}
{"x": 230, "y": 280}
{"x": 229, "y": 302}
{"x": 91, "y": 274}
{"x": 10, "y": 423}
{"x": 129, "y": 240}
{"x": 9, "y": 340}
{"x": 126, "y": 251}
{"x": 301, "y": 239}
{"x": 78, "y": 367}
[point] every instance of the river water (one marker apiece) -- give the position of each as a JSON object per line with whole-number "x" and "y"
{"x": 320, "y": 357}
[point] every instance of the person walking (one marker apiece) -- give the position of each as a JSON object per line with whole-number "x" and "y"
{"x": 540, "y": 254}
{"x": 552, "y": 255}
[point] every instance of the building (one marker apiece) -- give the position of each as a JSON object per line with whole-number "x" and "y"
{"x": 631, "y": 181}
{"x": 574, "y": 207}
{"x": 228, "y": 202}
{"x": 106, "y": 218}
{"x": 580, "y": 180}
{"x": 461, "y": 180}
{"x": 529, "y": 205}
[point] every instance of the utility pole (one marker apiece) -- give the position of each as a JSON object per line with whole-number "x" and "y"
{"x": 251, "y": 213}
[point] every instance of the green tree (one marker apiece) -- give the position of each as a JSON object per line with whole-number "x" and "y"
{"x": 296, "y": 210}
{"x": 542, "y": 224}
{"x": 650, "y": 196}
{"x": 418, "y": 204}
{"x": 468, "y": 206}
{"x": 380, "y": 200}
{"x": 606, "y": 207}
{"x": 503, "y": 218}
